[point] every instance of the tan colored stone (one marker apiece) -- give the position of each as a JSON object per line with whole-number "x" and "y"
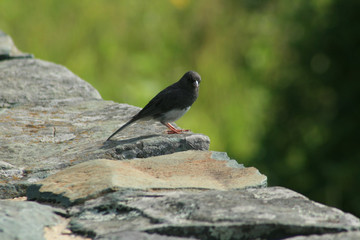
{"x": 183, "y": 170}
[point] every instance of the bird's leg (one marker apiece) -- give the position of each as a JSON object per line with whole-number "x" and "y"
{"x": 173, "y": 130}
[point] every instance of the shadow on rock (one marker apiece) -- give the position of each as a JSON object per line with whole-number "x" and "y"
{"x": 112, "y": 143}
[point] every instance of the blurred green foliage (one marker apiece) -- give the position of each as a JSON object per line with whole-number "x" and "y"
{"x": 280, "y": 87}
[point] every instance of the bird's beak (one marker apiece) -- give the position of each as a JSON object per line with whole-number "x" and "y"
{"x": 196, "y": 84}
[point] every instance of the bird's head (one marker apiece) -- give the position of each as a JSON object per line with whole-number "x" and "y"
{"x": 191, "y": 79}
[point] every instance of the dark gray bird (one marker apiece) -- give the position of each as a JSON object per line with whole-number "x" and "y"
{"x": 170, "y": 104}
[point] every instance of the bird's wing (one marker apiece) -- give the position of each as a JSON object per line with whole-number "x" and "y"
{"x": 164, "y": 101}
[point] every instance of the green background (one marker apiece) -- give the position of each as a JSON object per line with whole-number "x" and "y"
{"x": 280, "y": 87}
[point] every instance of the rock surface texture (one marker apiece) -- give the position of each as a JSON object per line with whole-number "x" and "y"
{"x": 144, "y": 184}
{"x": 265, "y": 213}
{"x": 25, "y": 220}
{"x": 190, "y": 170}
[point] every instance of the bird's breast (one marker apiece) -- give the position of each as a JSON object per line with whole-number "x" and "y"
{"x": 173, "y": 115}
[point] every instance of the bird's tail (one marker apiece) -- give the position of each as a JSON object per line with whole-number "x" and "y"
{"x": 121, "y": 128}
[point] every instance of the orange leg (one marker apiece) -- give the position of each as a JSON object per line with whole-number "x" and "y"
{"x": 173, "y": 130}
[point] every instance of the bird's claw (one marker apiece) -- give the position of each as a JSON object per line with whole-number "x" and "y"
{"x": 177, "y": 131}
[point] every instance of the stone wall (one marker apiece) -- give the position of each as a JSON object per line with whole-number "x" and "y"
{"x": 68, "y": 183}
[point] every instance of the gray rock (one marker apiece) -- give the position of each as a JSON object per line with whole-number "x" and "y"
{"x": 25, "y": 220}
{"x": 25, "y": 81}
{"x": 51, "y": 119}
{"x": 266, "y": 213}
{"x": 128, "y": 235}
{"x": 335, "y": 236}
{"x": 13, "y": 190}
{"x": 183, "y": 170}
{"x": 5, "y": 165}
{"x": 8, "y": 50}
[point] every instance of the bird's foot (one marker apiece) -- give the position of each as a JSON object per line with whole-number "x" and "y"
{"x": 173, "y": 130}
{"x": 177, "y": 131}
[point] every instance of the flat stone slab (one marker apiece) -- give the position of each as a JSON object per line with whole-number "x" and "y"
{"x": 192, "y": 170}
{"x": 51, "y": 119}
{"x": 264, "y": 213}
{"x": 25, "y": 220}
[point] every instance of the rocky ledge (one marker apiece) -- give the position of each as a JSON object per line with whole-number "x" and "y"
{"x": 144, "y": 184}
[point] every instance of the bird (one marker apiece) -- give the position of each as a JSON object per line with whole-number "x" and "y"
{"x": 170, "y": 104}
